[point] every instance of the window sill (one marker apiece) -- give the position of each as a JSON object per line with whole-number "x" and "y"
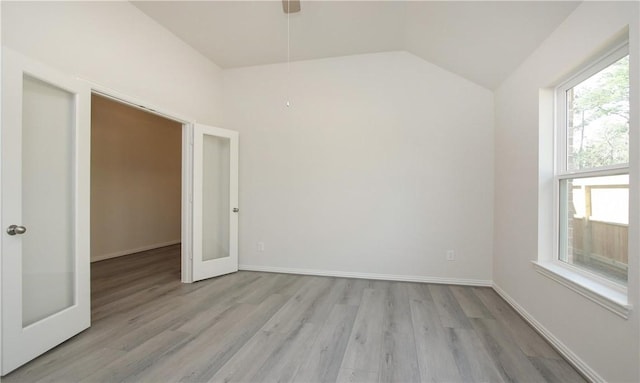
{"x": 607, "y": 297}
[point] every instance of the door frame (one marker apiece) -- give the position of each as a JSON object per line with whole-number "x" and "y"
{"x": 186, "y": 236}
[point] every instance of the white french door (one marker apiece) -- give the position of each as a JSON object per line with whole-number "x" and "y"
{"x": 45, "y": 209}
{"x": 215, "y": 202}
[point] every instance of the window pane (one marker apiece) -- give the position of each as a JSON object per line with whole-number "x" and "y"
{"x": 598, "y": 119}
{"x": 594, "y": 219}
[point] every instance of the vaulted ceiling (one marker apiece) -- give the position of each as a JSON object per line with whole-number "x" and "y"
{"x": 481, "y": 41}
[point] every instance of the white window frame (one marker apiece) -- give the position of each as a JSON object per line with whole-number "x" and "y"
{"x": 600, "y": 289}
{"x": 560, "y": 148}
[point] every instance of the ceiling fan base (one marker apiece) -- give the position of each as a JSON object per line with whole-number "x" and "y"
{"x": 291, "y": 6}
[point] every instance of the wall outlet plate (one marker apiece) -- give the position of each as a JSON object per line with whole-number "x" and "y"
{"x": 451, "y": 255}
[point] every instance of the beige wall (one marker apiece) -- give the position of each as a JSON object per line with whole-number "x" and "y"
{"x": 368, "y": 172}
{"x": 135, "y": 180}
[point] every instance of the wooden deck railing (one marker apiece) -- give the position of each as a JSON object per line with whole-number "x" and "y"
{"x": 602, "y": 241}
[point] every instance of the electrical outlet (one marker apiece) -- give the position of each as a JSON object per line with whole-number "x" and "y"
{"x": 260, "y": 246}
{"x": 451, "y": 255}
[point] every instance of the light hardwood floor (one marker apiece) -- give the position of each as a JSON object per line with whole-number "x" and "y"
{"x": 262, "y": 327}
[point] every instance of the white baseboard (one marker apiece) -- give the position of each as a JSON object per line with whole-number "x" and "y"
{"x": 102, "y": 257}
{"x": 386, "y": 277}
{"x": 565, "y": 351}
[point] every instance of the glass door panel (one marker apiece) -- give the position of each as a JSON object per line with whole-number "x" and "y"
{"x": 215, "y": 197}
{"x": 47, "y": 201}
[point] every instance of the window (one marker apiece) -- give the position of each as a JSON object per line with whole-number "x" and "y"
{"x": 592, "y": 176}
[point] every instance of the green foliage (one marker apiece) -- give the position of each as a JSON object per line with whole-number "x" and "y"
{"x": 599, "y": 118}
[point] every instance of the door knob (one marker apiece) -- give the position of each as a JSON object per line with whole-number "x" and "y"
{"x": 235, "y": 210}
{"x": 15, "y": 229}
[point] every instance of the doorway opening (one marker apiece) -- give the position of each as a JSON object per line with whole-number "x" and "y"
{"x": 136, "y": 197}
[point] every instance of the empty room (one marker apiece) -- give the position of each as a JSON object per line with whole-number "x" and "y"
{"x": 320, "y": 191}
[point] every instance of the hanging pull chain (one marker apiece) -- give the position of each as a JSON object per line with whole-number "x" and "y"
{"x": 288, "y": 103}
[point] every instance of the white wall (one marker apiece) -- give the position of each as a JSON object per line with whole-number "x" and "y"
{"x": 381, "y": 164}
{"x": 136, "y": 180}
{"x": 607, "y": 343}
{"x": 117, "y": 46}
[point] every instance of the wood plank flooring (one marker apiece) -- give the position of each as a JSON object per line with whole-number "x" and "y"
{"x": 262, "y": 327}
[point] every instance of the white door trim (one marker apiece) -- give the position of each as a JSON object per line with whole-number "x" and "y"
{"x": 186, "y": 268}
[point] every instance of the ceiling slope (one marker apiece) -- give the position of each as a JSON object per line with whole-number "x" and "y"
{"x": 481, "y": 41}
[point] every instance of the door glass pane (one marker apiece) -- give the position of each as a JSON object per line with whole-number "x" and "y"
{"x": 47, "y": 200}
{"x": 215, "y": 197}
